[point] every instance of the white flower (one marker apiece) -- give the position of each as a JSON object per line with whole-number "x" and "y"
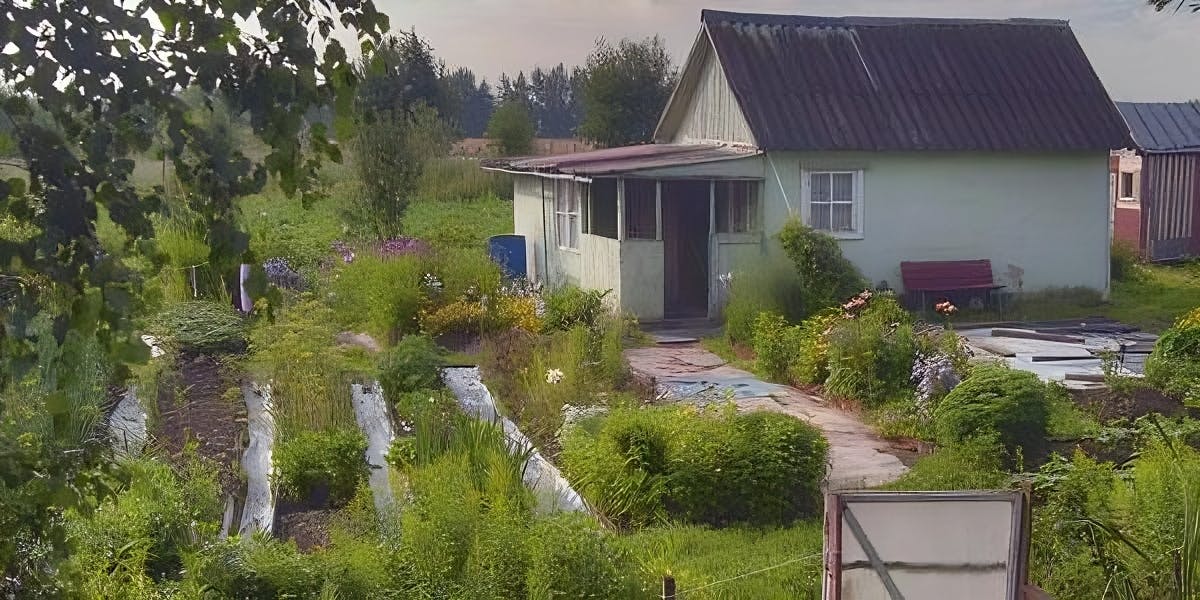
{"x": 431, "y": 400}
{"x": 554, "y": 375}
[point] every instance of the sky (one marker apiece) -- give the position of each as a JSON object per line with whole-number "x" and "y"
{"x": 1140, "y": 55}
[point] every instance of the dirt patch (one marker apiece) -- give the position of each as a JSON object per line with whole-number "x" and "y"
{"x": 1110, "y": 404}
{"x": 308, "y": 528}
{"x": 194, "y": 405}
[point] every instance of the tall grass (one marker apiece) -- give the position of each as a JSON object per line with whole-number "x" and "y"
{"x": 771, "y": 286}
{"x": 454, "y": 179}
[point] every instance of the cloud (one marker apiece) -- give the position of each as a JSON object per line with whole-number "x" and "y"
{"x": 1138, "y": 53}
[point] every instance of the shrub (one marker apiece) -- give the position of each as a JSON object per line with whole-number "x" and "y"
{"x": 771, "y": 287}
{"x": 1069, "y": 493}
{"x": 826, "y": 276}
{"x": 774, "y": 344}
{"x": 975, "y": 464}
{"x": 202, "y": 326}
{"x": 1174, "y": 365}
{"x": 310, "y": 464}
{"x": 810, "y": 361}
{"x": 994, "y": 399}
{"x": 1125, "y": 262}
{"x": 871, "y": 354}
{"x": 571, "y": 558}
{"x": 569, "y": 306}
{"x": 712, "y": 466}
{"x": 380, "y": 296}
{"x": 413, "y": 364}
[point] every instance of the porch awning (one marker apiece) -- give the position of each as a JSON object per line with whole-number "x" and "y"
{"x": 627, "y": 159}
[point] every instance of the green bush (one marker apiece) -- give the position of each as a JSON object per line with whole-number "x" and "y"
{"x": 260, "y": 569}
{"x": 871, "y": 354}
{"x": 826, "y": 276}
{"x": 1063, "y": 560}
{"x": 570, "y": 557}
{"x": 202, "y": 326}
{"x": 770, "y": 287}
{"x": 569, "y": 306}
{"x": 413, "y": 364}
{"x": 1174, "y": 365}
{"x": 381, "y": 296}
{"x": 312, "y": 462}
{"x": 1125, "y": 262}
{"x": 994, "y": 399}
{"x": 975, "y": 464}
{"x": 714, "y": 466}
{"x": 774, "y": 345}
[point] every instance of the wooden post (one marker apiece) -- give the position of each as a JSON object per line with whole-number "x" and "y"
{"x": 668, "y": 590}
{"x": 658, "y": 209}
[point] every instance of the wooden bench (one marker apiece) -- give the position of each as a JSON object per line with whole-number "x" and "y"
{"x": 923, "y": 279}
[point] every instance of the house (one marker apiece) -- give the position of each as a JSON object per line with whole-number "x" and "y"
{"x": 1165, "y": 188}
{"x": 906, "y": 139}
{"x": 1125, "y": 167}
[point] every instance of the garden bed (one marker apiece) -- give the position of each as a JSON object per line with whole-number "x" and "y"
{"x": 194, "y": 404}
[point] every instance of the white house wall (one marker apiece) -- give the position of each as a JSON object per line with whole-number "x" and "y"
{"x": 1041, "y": 219}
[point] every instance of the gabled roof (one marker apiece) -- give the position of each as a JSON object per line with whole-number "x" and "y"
{"x": 1163, "y": 126}
{"x": 879, "y": 84}
{"x": 611, "y": 161}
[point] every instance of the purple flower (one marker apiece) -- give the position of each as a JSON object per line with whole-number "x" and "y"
{"x": 402, "y": 246}
{"x": 344, "y": 250}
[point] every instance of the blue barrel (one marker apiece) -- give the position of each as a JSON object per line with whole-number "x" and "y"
{"x": 508, "y": 251}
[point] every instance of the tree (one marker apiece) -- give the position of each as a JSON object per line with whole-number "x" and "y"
{"x": 512, "y": 128}
{"x": 554, "y": 102}
{"x": 626, "y": 88}
{"x": 473, "y": 104}
{"x": 102, "y": 70}
{"x": 1161, "y": 5}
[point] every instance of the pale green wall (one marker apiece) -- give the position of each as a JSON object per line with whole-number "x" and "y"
{"x": 642, "y": 278}
{"x": 1044, "y": 214}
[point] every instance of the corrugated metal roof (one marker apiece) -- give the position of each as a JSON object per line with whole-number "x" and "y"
{"x": 878, "y": 84}
{"x": 622, "y": 160}
{"x": 1163, "y": 126}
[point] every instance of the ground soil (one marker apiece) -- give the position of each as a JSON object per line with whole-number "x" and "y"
{"x": 1110, "y": 404}
{"x": 194, "y": 404}
{"x": 308, "y": 528}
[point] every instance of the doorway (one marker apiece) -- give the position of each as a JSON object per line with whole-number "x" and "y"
{"x": 685, "y": 224}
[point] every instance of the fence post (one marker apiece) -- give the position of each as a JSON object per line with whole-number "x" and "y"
{"x": 668, "y": 590}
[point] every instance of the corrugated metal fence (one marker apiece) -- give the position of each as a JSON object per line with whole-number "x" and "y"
{"x": 1169, "y": 198}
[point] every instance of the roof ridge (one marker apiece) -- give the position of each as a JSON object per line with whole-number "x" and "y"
{"x": 711, "y": 15}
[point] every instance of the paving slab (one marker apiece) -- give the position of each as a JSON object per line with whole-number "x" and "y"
{"x": 858, "y": 458}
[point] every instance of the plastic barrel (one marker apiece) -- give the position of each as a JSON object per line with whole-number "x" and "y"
{"x": 509, "y": 252}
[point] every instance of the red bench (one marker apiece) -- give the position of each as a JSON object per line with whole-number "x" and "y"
{"x": 923, "y": 279}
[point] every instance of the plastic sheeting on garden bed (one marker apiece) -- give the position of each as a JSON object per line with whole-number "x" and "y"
{"x": 258, "y": 513}
{"x": 553, "y": 491}
{"x": 370, "y": 411}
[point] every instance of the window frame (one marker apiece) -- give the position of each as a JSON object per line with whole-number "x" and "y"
{"x": 856, "y": 201}
{"x": 1132, "y": 197}
{"x": 566, "y": 193}
{"x": 750, "y": 207}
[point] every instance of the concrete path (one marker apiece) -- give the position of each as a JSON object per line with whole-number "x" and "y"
{"x": 686, "y": 372}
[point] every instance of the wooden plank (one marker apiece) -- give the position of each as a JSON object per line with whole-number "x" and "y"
{"x": 1033, "y": 335}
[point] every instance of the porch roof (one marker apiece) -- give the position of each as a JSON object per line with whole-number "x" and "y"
{"x": 626, "y": 159}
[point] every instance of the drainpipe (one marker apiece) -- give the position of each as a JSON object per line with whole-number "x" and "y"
{"x": 545, "y": 237}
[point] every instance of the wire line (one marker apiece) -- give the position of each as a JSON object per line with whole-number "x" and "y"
{"x": 735, "y": 577}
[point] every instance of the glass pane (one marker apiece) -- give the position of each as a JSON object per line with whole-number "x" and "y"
{"x": 819, "y": 217}
{"x": 819, "y": 187}
{"x": 573, "y": 230}
{"x": 843, "y": 217}
{"x": 561, "y": 230}
{"x": 577, "y": 192}
{"x": 843, "y": 187}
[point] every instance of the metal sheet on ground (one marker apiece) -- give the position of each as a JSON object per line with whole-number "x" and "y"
{"x": 370, "y": 411}
{"x": 127, "y": 424}
{"x": 258, "y": 513}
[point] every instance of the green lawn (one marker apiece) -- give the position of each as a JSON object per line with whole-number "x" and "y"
{"x": 733, "y": 563}
{"x": 459, "y": 224}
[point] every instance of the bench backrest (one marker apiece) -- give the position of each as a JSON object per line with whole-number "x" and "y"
{"x": 946, "y": 274}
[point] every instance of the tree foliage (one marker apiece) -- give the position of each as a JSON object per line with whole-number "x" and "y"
{"x": 625, "y": 89}
{"x": 91, "y": 83}
{"x": 512, "y": 129}
{"x": 472, "y": 102}
{"x": 1161, "y": 5}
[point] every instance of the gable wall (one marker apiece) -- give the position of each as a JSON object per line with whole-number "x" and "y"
{"x": 711, "y": 110}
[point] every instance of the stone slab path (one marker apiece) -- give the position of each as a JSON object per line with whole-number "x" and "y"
{"x": 688, "y": 373}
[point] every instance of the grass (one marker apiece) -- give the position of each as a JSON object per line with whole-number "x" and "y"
{"x": 721, "y": 346}
{"x": 699, "y": 557}
{"x": 459, "y": 224}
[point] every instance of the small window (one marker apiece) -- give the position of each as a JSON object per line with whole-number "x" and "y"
{"x": 834, "y": 200}
{"x": 603, "y": 208}
{"x": 1127, "y": 192}
{"x": 568, "y": 196}
{"x": 641, "y": 209}
{"x": 737, "y": 206}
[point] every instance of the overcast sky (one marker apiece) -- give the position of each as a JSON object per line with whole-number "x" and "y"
{"x": 1140, "y": 54}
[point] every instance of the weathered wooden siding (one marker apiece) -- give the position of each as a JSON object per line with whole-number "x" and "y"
{"x": 1169, "y": 196}
{"x": 601, "y": 265}
{"x": 703, "y": 107}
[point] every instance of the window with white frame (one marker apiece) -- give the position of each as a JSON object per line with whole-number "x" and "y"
{"x": 833, "y": 200}
{"x": 737, "y": 206}
{"x": 568, "y": 197}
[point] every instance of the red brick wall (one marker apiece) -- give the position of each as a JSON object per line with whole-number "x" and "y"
{"x": 1128, "y": 226}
